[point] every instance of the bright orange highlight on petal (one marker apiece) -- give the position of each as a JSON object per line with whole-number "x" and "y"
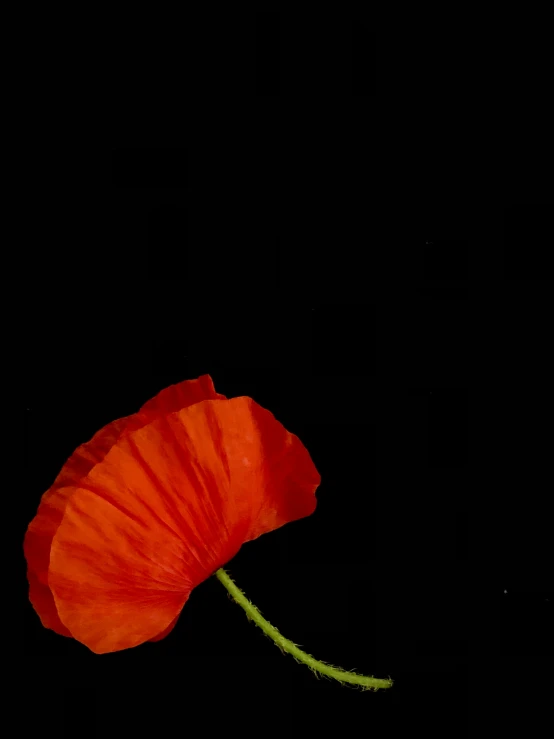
{"x": 155, "y": 504}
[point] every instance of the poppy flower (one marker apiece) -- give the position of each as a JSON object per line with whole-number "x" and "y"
{"x": 153, "y": 505}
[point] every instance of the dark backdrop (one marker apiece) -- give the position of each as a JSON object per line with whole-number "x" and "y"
{"x": 288, "y": 246}
{"x": 426, "y": 557}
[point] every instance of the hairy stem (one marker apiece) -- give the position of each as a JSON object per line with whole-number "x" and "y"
{"x": 318, "y": 667}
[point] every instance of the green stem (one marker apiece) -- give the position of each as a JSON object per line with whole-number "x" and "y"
{"x": 343, "y": 676}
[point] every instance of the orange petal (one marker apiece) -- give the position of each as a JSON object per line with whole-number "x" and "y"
{"x": 170, "y": 504}
{"x": 42, "y": 528}
{"x": 168, "y": 400}
{"x": 38, "y": 538}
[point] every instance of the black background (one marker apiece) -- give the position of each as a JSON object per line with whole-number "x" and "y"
{"x": 400, "y": 331}
{"x": 426, "y": 559}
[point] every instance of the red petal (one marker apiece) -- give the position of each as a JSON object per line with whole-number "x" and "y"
{"x": 42, "y": 599}
{"x": 181, "y": 395}
{"x": 170, "y": 504}
{"x": 165, "y": 632}
{"x": 42, "y": 528}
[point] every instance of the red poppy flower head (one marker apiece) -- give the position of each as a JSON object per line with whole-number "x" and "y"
{"x": 154, "y": 504}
